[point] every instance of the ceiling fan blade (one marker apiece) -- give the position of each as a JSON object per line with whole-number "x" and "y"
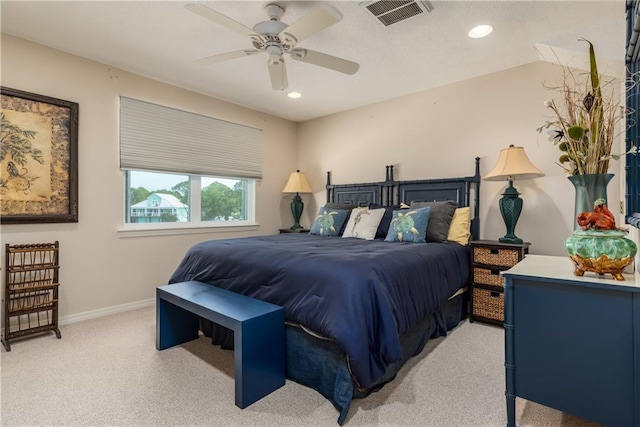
{"x": 219, "y": 18}
{"x": 315, "y": 21}
{"x": 324, "y": 60}
{"x": 225, "y": 56}
{"x": 278, "y": 74}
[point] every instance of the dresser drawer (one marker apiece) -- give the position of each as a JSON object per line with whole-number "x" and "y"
{"x": 505, "y": 257}
{"x": 485, "y": 276}
{"x": 488, "y": 304}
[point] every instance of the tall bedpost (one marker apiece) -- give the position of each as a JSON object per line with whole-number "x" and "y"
{"x": 387, "y": 189}
{"x": 388, "y": 185}
{"x": 475, "y": 227}
{"x": 328, "y": 186}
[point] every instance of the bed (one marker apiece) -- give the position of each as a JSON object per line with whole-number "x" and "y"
{"x": 356, "y": 310}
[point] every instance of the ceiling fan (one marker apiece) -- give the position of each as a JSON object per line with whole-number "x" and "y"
{"x": 276, "y": 38}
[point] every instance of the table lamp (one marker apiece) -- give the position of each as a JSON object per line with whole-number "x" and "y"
{"x": 512, "y": 163}
{"x": 297, "y": 184}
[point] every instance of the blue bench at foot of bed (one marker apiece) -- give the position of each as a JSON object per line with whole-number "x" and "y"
{"x": 258, "y": 326}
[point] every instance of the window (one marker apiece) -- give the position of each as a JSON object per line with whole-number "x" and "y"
{"x": 632, "y": 166}
{"x": 154, "y": 197}
{"x": 186, "y": 169}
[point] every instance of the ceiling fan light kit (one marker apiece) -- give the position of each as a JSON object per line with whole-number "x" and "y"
{"x": 275, "y": 38}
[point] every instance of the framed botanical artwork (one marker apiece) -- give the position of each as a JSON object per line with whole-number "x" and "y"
{"x": 38, "y": 158}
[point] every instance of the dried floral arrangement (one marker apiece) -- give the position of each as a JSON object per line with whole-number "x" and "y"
{"x": 586, "y": 122}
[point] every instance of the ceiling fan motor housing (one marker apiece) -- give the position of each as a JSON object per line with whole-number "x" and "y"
{"x": 268, "y": 33}
{"x": 269, "y": 27}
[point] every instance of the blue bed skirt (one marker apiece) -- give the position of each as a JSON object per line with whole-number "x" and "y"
{"x": 322, "y": 365}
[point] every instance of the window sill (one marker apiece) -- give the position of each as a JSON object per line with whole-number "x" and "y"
{"x": 142, "y": 231}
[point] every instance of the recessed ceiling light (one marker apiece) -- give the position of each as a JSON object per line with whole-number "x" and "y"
{"x": 294, "y": 95}
{"x": 480, "y": 31}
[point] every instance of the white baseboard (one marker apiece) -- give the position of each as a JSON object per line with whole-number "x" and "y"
{"x": 72, "y": 318}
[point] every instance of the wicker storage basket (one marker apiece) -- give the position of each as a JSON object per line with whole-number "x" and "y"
{"x": 488, "y": 304}
{"x": 502, "y": 257}
{"x": 487, "y": 277}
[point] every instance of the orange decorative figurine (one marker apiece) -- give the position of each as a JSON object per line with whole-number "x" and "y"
{"x": 601, "y": 218}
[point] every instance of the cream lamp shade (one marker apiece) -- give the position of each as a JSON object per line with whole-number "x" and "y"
{"x": 512, "y": 163}
{"x": 297, "y": 184}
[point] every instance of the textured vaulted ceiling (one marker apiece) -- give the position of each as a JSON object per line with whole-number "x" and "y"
{"x": 161, "y": 39}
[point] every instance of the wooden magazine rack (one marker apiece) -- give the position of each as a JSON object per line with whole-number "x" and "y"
{"x": 31, "y": 291}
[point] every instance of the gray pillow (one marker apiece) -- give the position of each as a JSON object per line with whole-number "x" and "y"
{"x": 340, "y": 206}
{"x": 440, "y": 219}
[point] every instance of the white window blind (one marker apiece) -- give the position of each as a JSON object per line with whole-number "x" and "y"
{"x": 158, "y": 138}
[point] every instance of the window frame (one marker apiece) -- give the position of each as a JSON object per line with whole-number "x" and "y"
{"x": 128, "y": 229}
{"x": 632, "y": 138}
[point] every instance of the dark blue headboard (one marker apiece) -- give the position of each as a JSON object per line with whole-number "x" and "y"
{"x": 357, "y": 194}
{"x": 464, "y": 190}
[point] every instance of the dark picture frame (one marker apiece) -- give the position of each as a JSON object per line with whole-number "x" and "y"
{"x": 38, "y": 158}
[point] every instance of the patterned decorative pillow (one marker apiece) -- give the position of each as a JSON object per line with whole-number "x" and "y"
{"x": 441, "y": 216}
{"x": 363, "y": 223}
{"x": 329, "y": 222}
{"x": 409, "y": 225}
{"x": 383, "y": 228}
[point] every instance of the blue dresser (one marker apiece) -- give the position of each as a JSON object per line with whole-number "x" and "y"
{"x": 572, "y": 343}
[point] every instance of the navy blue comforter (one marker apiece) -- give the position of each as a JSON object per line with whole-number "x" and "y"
{"x": 363, "y": 294}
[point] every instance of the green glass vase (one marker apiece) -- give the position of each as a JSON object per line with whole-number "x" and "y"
{"x": 588, "y": 188}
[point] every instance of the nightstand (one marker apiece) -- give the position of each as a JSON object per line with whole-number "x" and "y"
{"x": 488, "y": 259}
{"x": 297, "y": 230}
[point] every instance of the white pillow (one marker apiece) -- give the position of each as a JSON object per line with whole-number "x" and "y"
{"x": 363, "y": 223}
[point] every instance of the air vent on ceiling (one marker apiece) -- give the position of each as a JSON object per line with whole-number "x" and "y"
{"x": 392, "y": 11}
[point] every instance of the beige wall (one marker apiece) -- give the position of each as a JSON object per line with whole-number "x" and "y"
{"x": 439, "y": 132}
{"x": 436, "y": 133}
{"x": 99, "y": 269}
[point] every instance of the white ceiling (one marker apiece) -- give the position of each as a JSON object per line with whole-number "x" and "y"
{"x": 160, "y": 39}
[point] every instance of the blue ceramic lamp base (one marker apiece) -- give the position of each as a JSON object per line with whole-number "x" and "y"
{"x": 510, "y": 208}
{"x": 296, "y": 209}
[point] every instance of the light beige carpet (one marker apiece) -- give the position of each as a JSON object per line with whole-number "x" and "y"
{"x": 107, "y": 371}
